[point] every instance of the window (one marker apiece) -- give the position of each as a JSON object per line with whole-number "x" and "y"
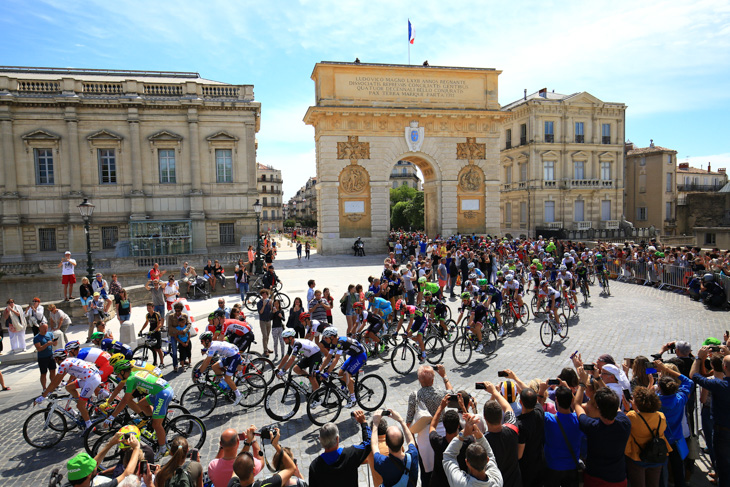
{"x": 710, "y": 238}
{"x": 549, "y": 134}
{"x": 167, "y": 165}
{"x": 508, "y": 174}
{"x": 641, "y": 213}
{"x": 578, "y": 212}
{"x": 404, "y": 171}
{"x": 508, "y": 137}
{"x": 579, "y": 137}
{"x": 549, "y": 171}
{"x": 523, "y": 172}
{"x": 642, "y": 161}
{"x": 223, "y": 165}
{"x": 107, "y": 166}
{"x": 579, "y": 171}
{"x": 606, "y": 133}
{"x": 265, "y": 202}
{"x": 668, "y": 210}
{"x": 606, "y": 171}
{"x": 227, "y": 233}
{"x": 642, "y": 183}
{"x": 43, "y": 166}
{"x": 265, "y": 215}
{"x": 109, "y": 237}
{"x": 523, "y": 134}
{"x": 523, "y": 212}
{"x": 549, "y": 211}
{"x": 508, "y": 213}
{"x": 605, "y": 210}
{"x": 47, "y": 239}
{"x": 670, "y": 186}
{"x": 395, "y": 185}
{"x": 669, "y": 158}
{"x": 404, "y": 183}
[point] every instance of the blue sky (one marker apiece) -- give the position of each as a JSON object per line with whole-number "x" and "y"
{"x": 668, "y": 61}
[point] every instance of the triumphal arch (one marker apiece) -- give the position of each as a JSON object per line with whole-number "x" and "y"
{"x": 368, "y": 117}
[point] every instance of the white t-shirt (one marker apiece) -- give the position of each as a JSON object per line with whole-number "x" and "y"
{"x": 68, "y": 267}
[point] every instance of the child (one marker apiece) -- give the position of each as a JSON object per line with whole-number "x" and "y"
{"x": 183, "y": 342}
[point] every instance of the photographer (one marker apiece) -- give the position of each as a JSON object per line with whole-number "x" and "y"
{"x": 220, "y": 469}
{"x": 82, "y": 468}
{"x": 243, "y": 466}
{"x": 179, "y": 467}
{"x": 397, "y": 463}
{"x": 338, "y": 466}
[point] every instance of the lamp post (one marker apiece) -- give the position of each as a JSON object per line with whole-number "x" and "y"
{"x": 257, "y": 207}
{"x": 87, "y": 209}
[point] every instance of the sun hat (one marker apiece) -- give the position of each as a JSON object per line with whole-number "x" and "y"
{"x": 80, "y": 466}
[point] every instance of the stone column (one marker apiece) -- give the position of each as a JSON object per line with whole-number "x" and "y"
{"x": 193, "y": 163}
{"x": 72, "y": 156}
{"x": 328, "y": 217}
{"x": 379, "y": 213}
{"x": 249, "y": 157}
{"x": 492, "y": 215}
{"x": 137, "y": 193}
{"x": 12, "y": 232}
{"x": 10, "y": 178}
{"x": 446, "y": 195}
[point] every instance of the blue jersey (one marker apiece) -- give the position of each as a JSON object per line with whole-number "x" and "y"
{"x": 349, "y": 346}
{"x": 379, "y": 303}
{"x": 116, "y": 347}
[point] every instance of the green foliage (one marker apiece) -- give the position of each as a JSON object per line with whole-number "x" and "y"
{"x": 403, "y": 193}
{"x": 406, "y": 208}
{"x": 290, "y": 223}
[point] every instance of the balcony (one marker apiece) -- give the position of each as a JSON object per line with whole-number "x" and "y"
{"x": 523, "y": 140}
{"x": 262, "y": 179}
{"x": 507, "y": 187}
{"x": 580, "y": 139}
{"x": 670, "y": 223}
{"x": 549, "y": 184}
{"x": 522, "y": 185}
{"x": 584, "y": 183}
{"x": 607, "y": 183}
{"x": 606, "y": 139}
{"x": 699, "y": 187}
{"x": 582, "y": 225}
{"x": 550, "y": 138}
{"x": 554, "y": 225}
{"x": 270, "y": 191}
{"x": 508, "y": 145}
{"x": 609, "y": 224}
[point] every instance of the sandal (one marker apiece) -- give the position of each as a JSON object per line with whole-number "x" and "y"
{"x": 6, "y": 388}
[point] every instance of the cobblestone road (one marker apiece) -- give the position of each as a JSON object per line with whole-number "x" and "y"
{"x": 633, "y": 320}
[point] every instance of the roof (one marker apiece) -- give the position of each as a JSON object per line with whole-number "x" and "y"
{"x": 108, "y": 75}
{"x": 697, "y": 170}
{"x": 725, "y": 189}
{"x": 649, "y": 150}
{"x": 550, "y": 96}
{"x": 264, "y": 167}
{"x": 404, "y": 65}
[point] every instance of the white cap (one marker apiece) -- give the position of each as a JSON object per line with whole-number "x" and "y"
{"x": 68, "y": 252}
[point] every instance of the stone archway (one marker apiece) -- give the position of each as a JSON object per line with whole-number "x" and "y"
{"x": 367, "y": 117}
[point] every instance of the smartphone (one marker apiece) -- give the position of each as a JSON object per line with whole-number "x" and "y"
{"x": 386, "y": 412}
{"x": 714, "y": 348}
{"x": 650, "y": 370}
{"x": 589, "y": 367}
{"x": 480, "y": 385}
{"x": 143, "y": 466}
{"x": 502, "y": 373}
{"x": 629, "y": 362}
{"x": 553, "y": 382}
{"x": 454, "y": 398}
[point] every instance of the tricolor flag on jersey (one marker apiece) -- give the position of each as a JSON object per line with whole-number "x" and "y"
{"x": 411, "y": 33}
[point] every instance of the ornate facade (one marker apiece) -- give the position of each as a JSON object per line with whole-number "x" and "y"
{"x": 562, "y": 159}
{"x": 169, "y": 160}
{"x": 404, "y": 173}
{"x": 270, "y": 195}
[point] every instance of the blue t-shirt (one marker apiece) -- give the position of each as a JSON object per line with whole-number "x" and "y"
{"x": 557, "y": 455}
{"x": 42, "y": 340}
{"x": 606, "y": 445}
{"x": 391, "y": 473}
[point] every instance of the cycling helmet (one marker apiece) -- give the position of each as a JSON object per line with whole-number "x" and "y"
{"x": 369, "y": 295}
{"x": 60, "y": 353}
{"x": 399, "y": 304}
{"x": 219, "y": 313}
{"x": 211, "y": 316}
{"x": 72, "y": 345}
{"x": 206, "y": 335}
{"x": 599, "y": 256}
{"x": 482, "y": 282}
{"x": 106, "y": 343}
{"x": 121, "y": 366}
{"x": 466, "y": 295}
{"x": 708, "y": 277}
{"x": 543, "y": 283}
{"x": 97, "y": 335}
{"x": 590, "y": 252}
{"x": 305, "y": 316}
{"x": 563, "y": 267}
{"x": 533, "y": 267}
{"x": 471, "y": 265}
{"x": 288, "y": 333}
{"x": 330, "y": 331}
{"x": 472, "y": 276}
{"x": 357, "y": 305}
{"x": 499, "y": 273}
{"x": 130, "y": 428}
{"x": 535, "y": 261}
{"x": 421, "y": 280}
{"x": 427, "y": 294}
{"x": 116, "y": 358}
{"x": 510, "y": 278}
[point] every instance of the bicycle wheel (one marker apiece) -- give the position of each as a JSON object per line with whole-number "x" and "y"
{"x": 563, "y": 326}
{"x": 199, "y": 399}
{"x": 145, "y": 354}
{"x": 546, "y": 333}
{"x": 606, "y": 286}
{"x": 508, "y": 319}
{"x": 389, "y": 343}
{"x": 251, "y": 301}
{"x": 285, "y": 301}
{"x": 462, "y": 350}
{"x": 565, "y": 308}
{"x": 173, "y": 411}
{"x": 205, "y": 378}
{"x": 43, "y": 429}
{"x": 370, "y": 392}
{"x": 524, "y": 314}
{"x": 282, "y": 402}
{"x": 403, "y": 359}
{"x": 592, "y": 278}
{"x": 490, "y": 341}
{"x": 453, "y": 332}
{"x": 434, "y": 348}
{"x": 188, "y": 426}
{"x": 448, "y": 314}
{"x": 324, "y": 406}
{"x": 115, "y": 453}
{"x": 263, "y": 367}
{"x": 533, "y": 305}
{"x": 253, "y": 389}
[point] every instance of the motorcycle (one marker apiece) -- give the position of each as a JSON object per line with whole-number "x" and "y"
{"x": 359, "y": 248}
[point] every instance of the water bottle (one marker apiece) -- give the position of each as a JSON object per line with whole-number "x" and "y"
{"x": 223, "y": 385}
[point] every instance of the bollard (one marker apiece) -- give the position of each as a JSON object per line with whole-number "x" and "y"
{"x": 127, "y": 334}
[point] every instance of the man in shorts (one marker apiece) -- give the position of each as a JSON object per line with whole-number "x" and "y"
{"x": 43, "y": 343}
{"x": 68, "y": 275}
{"x": 357, "y": 358}
{"x": 154, "y": 339}
{"x": 311, "y": 357}
{"x": 230, "y": 360}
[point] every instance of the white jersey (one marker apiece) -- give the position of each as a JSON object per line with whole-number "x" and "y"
{"x": 304, "y": 347}
{"x": 566, "y": 276}
{"x": 550, "y": 293}
{"x": 224, "y": 349}
{"x": 514, "y": 284}
{"x": 78, "y": 368}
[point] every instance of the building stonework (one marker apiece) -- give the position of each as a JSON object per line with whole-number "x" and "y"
{"x": 271, "y": 197}
{"x": 561, "y": 163}
{"x": 141, "y": 146}
{"x": 404, "y": 173}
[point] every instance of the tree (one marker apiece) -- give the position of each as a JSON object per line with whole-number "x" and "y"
{"x": 406, "y": 208}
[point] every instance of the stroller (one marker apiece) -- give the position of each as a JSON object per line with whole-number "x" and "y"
{"x": 198, "y": 288}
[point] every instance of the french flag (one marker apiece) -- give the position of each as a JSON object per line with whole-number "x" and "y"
{"x": 411, "y": 33}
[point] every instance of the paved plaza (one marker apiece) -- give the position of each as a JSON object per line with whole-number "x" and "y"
{"x": 633, "y": 320}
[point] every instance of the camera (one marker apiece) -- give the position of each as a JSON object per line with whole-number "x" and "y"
{"x": 502, "y": 373}
{"x": 386, "y": 412}
{"x": 714, "y": 348}
{"x": 589, "y": 367}
{"x": 672, "y": 348}
{"x": 267, "y": 432}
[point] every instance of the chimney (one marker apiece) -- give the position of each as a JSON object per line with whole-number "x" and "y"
{"x": 543, "y": 93}
{"x": 684, "y": 165}
{"x": 525, "y": 93}
{"x": 709, "y": 167}
{"x": 721, "y": 170}
{"x": 651, "y": 142}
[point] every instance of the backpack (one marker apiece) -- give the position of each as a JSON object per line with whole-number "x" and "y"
{"x": 405, "y": 480}
{"x": 655, "y": 450}
{"x": 181, "y": 477}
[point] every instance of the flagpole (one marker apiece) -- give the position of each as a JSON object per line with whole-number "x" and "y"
{"x": 409, "y": 42}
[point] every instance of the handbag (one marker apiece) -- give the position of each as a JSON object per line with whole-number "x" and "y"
{"x": 579, "y": 465}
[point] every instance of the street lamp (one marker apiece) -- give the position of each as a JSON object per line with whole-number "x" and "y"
{"x": 87, "y": 209}
{"x": 257, "y": 207}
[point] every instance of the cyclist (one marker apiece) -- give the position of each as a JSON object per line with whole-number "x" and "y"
{"x": 92, "y": 355}
{"x": 600, "y": 265}
{"x": 315, "y": 332}
{"x": 230, "y": 359}
{"x": 311, "y": 357}
{"x": 566, "y": 283}
{"x": 407, "y": 310}
{"x": 478, "y": 317}
{"x": 581, "y": 271}
{"x": 87, "y": 375}
{"x": 371, "y": 320}
{"x": 380, "y": 306}
{"x": 424, "y": 285}
{"x": 466, "y": 306}
{"x": 215, "y": 326}
{"x": 418, "y": 324}
{"x": 111, "y": 346}
{"x": 137, "y": 366}
{"x": 155, "y": 321}
{"x": 553, "y": 300}
{"x": 493, "y": 295}
{"x": 535, "y": 276}
{"x": 239, "y": 333}
{"x": 513, "y": 289}
{"x": 306, "y": 320}
{"x": 157, "y": 396}
{"x": 357, "y": 358}
{"x": 440, "y": 312}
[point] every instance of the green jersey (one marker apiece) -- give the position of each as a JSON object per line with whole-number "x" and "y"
{"x": 145, "y": 383}
{"x": 431, "y": 286}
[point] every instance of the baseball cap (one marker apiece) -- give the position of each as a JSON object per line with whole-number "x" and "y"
{"x": 68, "y": 252}
{"x": 80, "y": 466}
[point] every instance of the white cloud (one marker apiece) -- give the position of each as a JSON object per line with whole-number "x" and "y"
{"x": 716, "y": 161}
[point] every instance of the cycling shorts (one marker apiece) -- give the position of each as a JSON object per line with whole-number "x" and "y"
{"x": 159, "y": 402}
{"x": 386, "y": 311}
{"x": 497, "y": 300}
{"x": 230, "y": 364}
{"x": 375, "y": 328}
{"x": 243, "y": 342}
{"x": 419, "y": 326}
{"x": 558, "y": 301}
{"x": 354, "y": 363}
{"x": 311, "y": 362}
{"x": 88, "y": 386}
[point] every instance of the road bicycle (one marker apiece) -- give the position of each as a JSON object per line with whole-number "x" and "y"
{"x": 512, "y": 313}
{"x": 449, "y": 335}
{"x": 584, "y": 291}
{"x": 464, "y": 346}
{"x": 591, "y": 275}
{"x": 252, "y": 363}
{"x": 603, "y": 282}
{"x": 283, "y": 400}
{"x": 252, "y": 299}
{"x": 201, "y": 398}
{"x": 146, "y": 353}
{"x": 550, "y": 328}
{"x": 258, "y": 284}
{"x": 45, "y": 428}
{"x": 569, "y": 305}
{"x": 325, "y": 404}
{"x": 403, "y": 358}
{"x": 540, "y": 308}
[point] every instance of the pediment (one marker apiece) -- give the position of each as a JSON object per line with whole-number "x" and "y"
{"x": 603, "y": 156}
{"x": 40, "y": 135}
{"x": 580, "y": 155}
{"x": 164, "y": 135}
{"x": 104, "y": 136}
{"x": 523, "y": 157}
{"x": 582, "y": 98}
{"x": 222, "y": 136}
{"x": 550, "y": 154}
{"x": 507, "y": 160}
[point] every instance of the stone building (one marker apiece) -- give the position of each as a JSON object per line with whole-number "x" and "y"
{"x": 405, "y": 173}
{"x": 651, "y": 187}
{"x": 168, "y": 158}
{"x": 270, "y": 195}
{"x": 562, "y": 163}
{"x": 696, "y": 180}
{"x": 706, "y": 216}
